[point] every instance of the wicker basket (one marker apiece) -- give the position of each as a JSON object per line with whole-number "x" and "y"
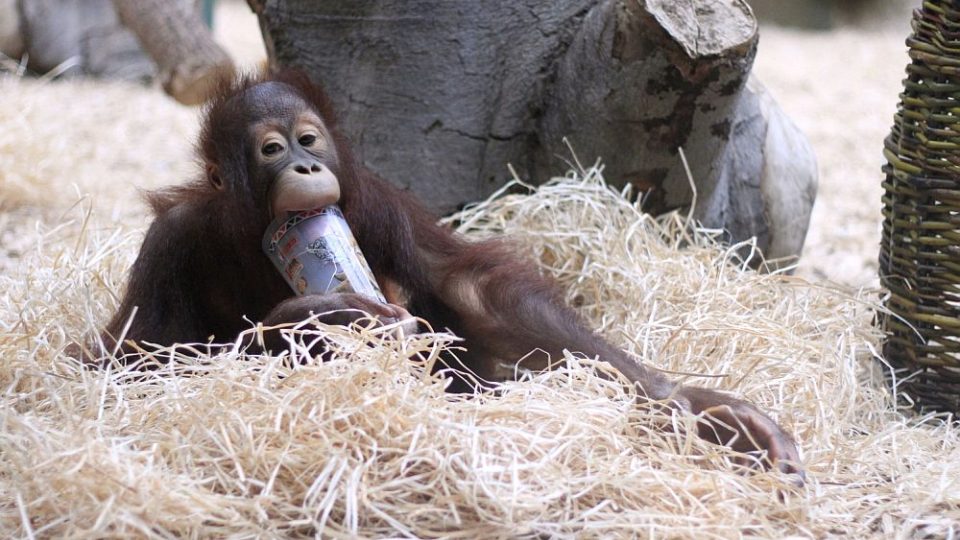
{"x": 920, "y": 250}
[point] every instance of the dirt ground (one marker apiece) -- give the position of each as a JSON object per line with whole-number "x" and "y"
{"x": 841, "y": 88}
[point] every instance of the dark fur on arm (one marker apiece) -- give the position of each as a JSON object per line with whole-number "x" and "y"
{"x": 483, "y": 291}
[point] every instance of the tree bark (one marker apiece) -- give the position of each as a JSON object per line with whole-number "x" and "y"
{"x": 439, "y": 96}
{"x": 173, "y": 34}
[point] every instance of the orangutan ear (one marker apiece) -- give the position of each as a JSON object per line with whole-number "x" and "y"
{"x": 213, "y": 176}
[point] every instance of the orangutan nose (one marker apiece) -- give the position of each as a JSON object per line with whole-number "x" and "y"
{"x": 306, "y": 169}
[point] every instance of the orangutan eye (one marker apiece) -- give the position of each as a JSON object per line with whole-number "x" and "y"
{"x": 271, "y": 148}
{"x": 307, "y": 139}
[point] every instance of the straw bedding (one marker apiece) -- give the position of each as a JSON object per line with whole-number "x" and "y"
{"x": 221, "y": 443}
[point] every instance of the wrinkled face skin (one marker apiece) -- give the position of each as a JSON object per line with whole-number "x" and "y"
{"x": 293, "y": 153}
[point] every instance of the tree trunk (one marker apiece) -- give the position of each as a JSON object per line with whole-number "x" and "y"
{"x": 439, "y": 96}
{"x": 11, "y": 38}
{"x": 173, "y": 34}
{"x": 80, "y": 37}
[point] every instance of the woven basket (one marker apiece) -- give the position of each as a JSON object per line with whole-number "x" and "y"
{"x": 920, "y": 250}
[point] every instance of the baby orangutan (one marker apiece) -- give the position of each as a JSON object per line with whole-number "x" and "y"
{"x": 270, "y": 145}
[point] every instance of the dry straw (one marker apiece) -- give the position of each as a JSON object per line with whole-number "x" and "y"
{"x": 219, "y": 443}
